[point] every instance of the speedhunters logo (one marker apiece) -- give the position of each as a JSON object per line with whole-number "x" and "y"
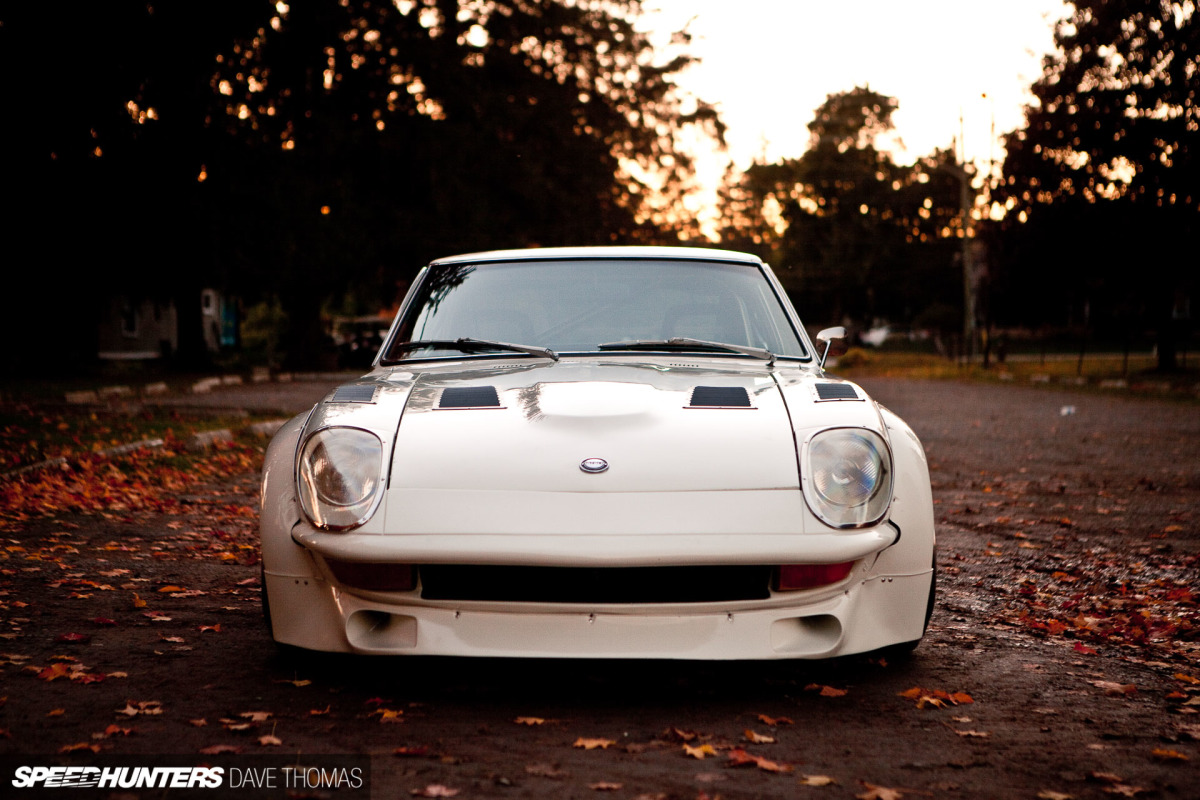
{"x": 119, "y": 777}
{"x": 336, "y": 777}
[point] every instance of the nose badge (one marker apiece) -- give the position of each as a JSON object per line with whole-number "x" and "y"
{"x": 593, "y": 465}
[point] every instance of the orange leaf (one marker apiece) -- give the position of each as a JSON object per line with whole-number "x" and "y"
{"x": 592, "y": 744}
{"x": 879, "y": 793}
{"x": 757, "y": 738}
{"x": 1164, "y": 755}
{"x": 700, "y": 752}
{"x": 529, "y": 721}
{"x": 54, "y": 672}
{"x": 740, "y": 758}
{"x": 773, "y": 721}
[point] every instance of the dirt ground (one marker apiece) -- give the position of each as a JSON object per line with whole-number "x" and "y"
{"x": 1063, "y": 657}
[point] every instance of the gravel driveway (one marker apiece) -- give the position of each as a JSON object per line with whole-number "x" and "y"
{"x": 1062, "y": 659}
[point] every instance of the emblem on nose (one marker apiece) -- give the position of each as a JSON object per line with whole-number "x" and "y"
{"x": 593, "y": 465}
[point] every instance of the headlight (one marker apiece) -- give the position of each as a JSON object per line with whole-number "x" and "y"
{"x": 848, "y": 480}
{"x": 339, "y": 477}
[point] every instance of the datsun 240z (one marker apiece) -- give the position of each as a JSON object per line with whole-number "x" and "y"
{"x": 598, "y": 453}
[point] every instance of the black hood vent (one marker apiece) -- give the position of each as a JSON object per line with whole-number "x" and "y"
{"x": 354, "y": 393}
{"x": 720, "y": 397}
{"x": 836, "y": 391}
{"x": 470, "y": 397}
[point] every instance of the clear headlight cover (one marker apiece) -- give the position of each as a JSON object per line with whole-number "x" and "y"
{"x": 849, "y": 477}
{"x": 340, "y": 477}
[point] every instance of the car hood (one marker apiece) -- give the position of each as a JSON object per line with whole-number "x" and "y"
{"x": 532, "y": 427}
{"x": 657, "y": 426}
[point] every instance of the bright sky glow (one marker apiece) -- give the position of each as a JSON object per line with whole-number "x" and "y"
{"x": 767, "y": 64}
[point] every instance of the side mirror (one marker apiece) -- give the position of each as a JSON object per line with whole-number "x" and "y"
{"x": 826, "y": 337}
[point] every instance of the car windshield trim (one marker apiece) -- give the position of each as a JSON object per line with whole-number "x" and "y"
{"x": 565, "y": 306}
{"x": 468, "y": 345}
{"x": 687, "y": 343}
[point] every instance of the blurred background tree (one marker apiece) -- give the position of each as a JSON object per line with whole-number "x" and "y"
{"x": 324, "y": 150}
{"x": 1101, "y": 184}
{"x": 854, "y": 236}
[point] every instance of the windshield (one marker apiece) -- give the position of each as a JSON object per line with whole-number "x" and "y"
{"x": 576, "y": 306}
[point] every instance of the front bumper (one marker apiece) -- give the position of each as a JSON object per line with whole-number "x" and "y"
{"x": 863, "y": 613}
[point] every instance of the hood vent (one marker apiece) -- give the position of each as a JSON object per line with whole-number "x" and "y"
{"x": 354, "y": 393}
{"x": 470, "y": 397}
{"x": 720, "y": 397}
{"x": 836, "y": 391}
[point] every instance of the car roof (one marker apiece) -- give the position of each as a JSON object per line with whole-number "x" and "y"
{"x": 601, "y": 253}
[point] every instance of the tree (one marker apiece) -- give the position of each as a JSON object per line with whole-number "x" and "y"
{"x": 854, "y": 234}
{"x": 1101, "y": 183}
{"x": 302, "y": 151}
{"x": 103, "y": 148}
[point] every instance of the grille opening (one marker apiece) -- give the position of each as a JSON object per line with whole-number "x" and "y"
{"x": 595, "y": 585}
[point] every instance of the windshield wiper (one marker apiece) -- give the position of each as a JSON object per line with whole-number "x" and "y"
{"x": 468, "y": 345}
{"x": 684, "y": 343}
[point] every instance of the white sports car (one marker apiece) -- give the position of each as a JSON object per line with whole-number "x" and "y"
{"x": 598, "y": 453}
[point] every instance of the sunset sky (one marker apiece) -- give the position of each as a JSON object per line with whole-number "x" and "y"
{"x": 768, "y": 64}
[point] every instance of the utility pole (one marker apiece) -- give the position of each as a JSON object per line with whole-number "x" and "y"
{"x": 966, "y": 202}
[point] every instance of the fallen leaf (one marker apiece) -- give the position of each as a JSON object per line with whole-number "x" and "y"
{"x": 593, "y": 744}
{"x": 529, "y": 721}
{"x": 295, "y": 682}
{"x": 546, "y": 771}
{"x": 434, "y": 790}
{"x": 269, "y": 741}
{"x": 75, "y": 748}
{"x": 1164, "y": 755}
{"x": 1047, "y": 794}
{"x": 218, "y": 749}
{"x": 56, "y": 712}
{"x": 973, "y": 734}
{"x": 817, "y": 780}
{"x": 54, "y": 672}
{"x": 75, "y": 638}
{"x": 198, "y": 723}
{"x": 740, "y": 758}
{"x": 757, "y": 738}
{"x": 874, "y": 792}
{"x": 256, "y": 716}
{"x": 420, "y": 751}
{"x": 701, "y": 752}
{"x": 605, "y": 786}
{"x": 1112, "y": 689}
{"x": 774, "y": 721}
